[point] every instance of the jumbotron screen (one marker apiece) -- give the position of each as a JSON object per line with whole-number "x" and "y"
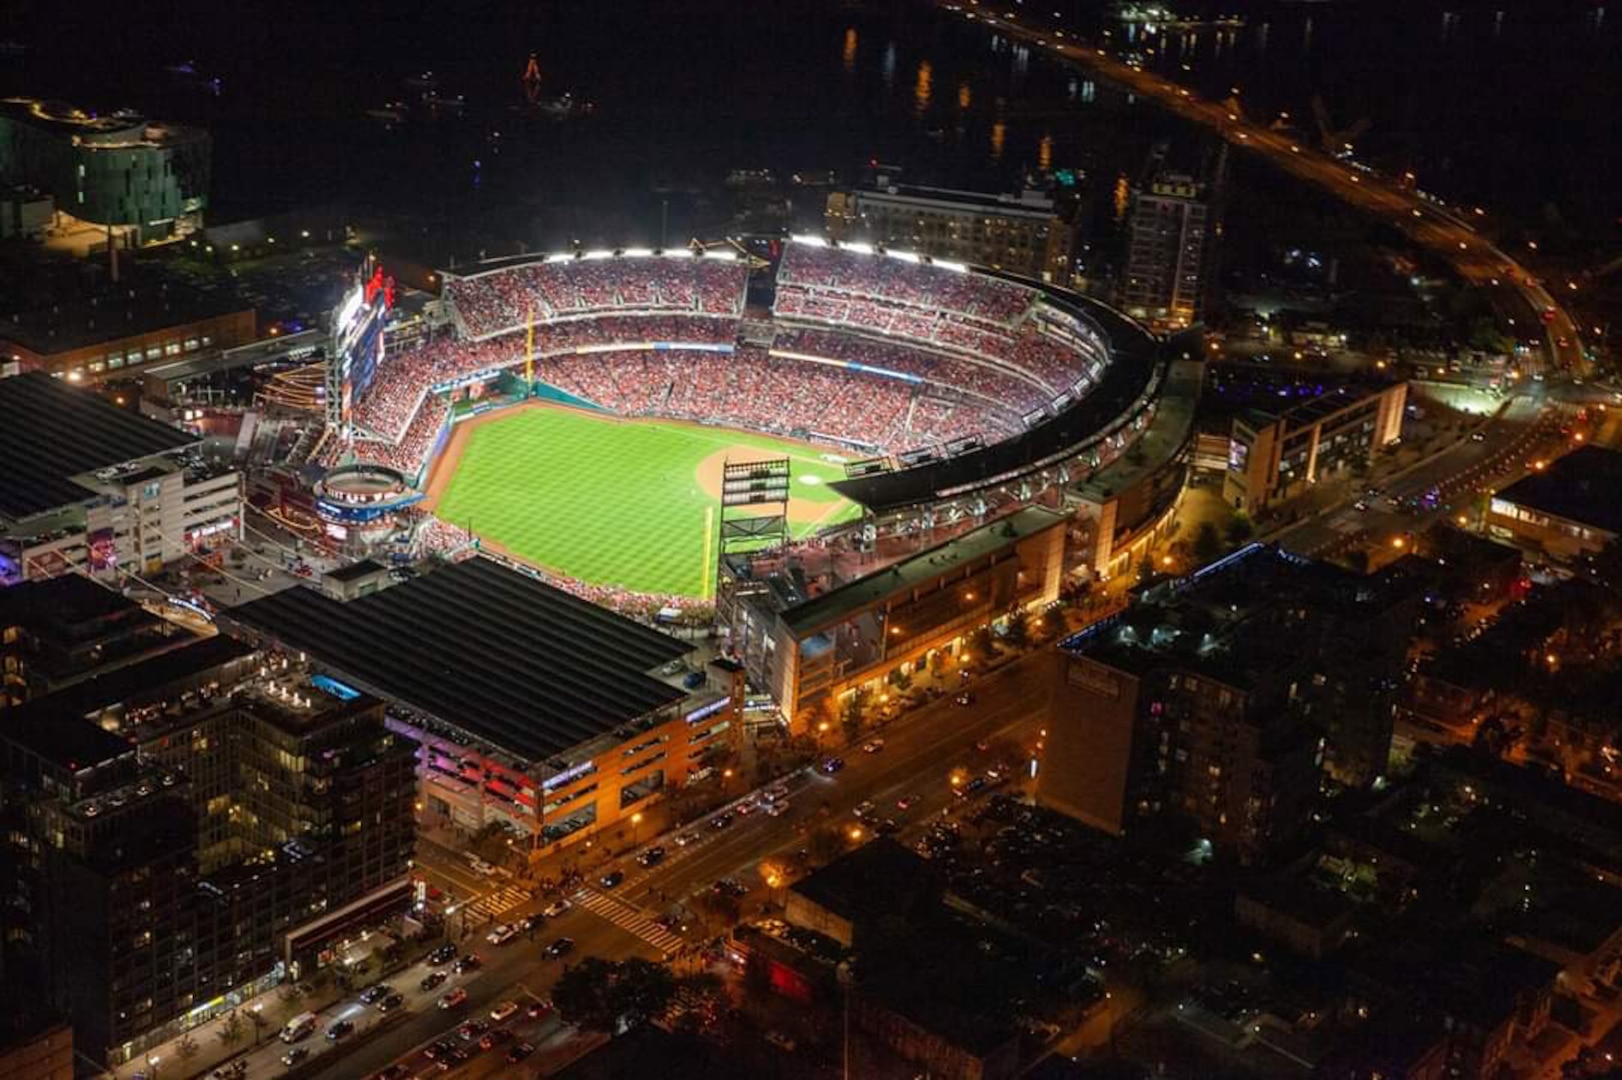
{"x": 359, "y": 337}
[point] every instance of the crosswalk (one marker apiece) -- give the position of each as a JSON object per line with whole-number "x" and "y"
{"x": 629, "y": 918}
{"x": 494, "y": 904}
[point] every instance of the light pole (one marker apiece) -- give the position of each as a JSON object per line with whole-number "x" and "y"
{"x": 636, "y": 819}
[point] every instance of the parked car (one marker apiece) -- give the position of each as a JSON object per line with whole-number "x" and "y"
{"x": 556, "y": 908}
{"x": 495, "y": 1037}
{"x": 538, "y": 1009}
{"x": 720, "y": 821}
{"x": 778, "y": 808}
{"x": 375, "y": 993}
{"x": 651, "y": 857}
{"x": 472, "y": 1029}
{"x": 501, "y": 934}
{"x": 559, "y": 948}
{"x": 504, "y": 1011}
{"x": 519, "y": 1053}
{"x": 393, "y": 1000}
{"x": 470, "y": 962}
{"x": 453, "y": 999}
{"x": 442, "y": 955}
{"x": 687, "y": 838}
{"x": 832, "y": 765}
{"x": 432, "y": 980}
{"x": 872, "y": 746}
{"x": 294, "y": 1056}
{"x": 339, "y": 1029}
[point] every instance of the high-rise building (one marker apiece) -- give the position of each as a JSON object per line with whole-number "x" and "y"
{"x": 120, "y": 169}
{"x": 1166, "y": 255}
{"x": 198, "y": 825}
{"x": 1021, "y": 234}
{"x": 1220, "y": 697}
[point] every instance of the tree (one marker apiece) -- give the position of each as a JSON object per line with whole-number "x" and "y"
{"x": 1207, "y": 542}
{"x": 983, "y": 644}
{"x": 1239, "y": 529}
{"x": 290, "y": 992}
{"x": 824, "y": 846}
{"x": 259, "y": 1024}
{"x": 705, "y": 995}
{"x": 231, "y": 1030}
{"x": 901, "y": 680}
{"x": 582, "y": 995}
{"x": 641, "y": 991}
{"x": 852, "y": 714}
{"x": 719, "y": 906}
{"x": 186, "y": 1047}
{"x": 1018, "y": 633}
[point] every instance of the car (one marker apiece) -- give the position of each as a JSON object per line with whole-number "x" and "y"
{"x": 519, "y": 1053}
{"x": 778, "y": 808}
{"x": 720, "y": 821}
{"x": 453, "y": 999}
{"x": 887, "y": 827}
{"x": 651, "y": 857}
{"x": 480, "y": 866}
{"x": 396, "y": 1071}
{"x": 669, "y": 921}
{"x": 745, "y": 807}
{"x": 442, "y": 955}
{"x": 439, "y": 1050}
{"x": 730, "y": 887}
{"x": 391, "y": 1001}
{"x": 470, "y": 962}
{"x": 559, "y": 948}
{"x": 1360, "y": 506}
{"x": 556, "y": 908}
{"x": 339, "y": 1029}
{"x": 504, "y": 1011}
{"x": 687, "y": 838}
{"x": 375, "y": 993}
{"x": 538, "y": 1009}
{"x": 501, "y": 934}
{"x": 530, "y": 922}
{"x": 832, "y": 765}
{"x": 294, "y": 1056}
{"x": 611, "y": 879}
{"x": 964, "y": 699}
{"x": 1476, "y": 436}
{"x": 775, "y": 792}
{"x": 872, "y": 746}
{"x": 864, "y": 810}
{"x": 906, "y": 802}
{"x": 472, "y": 1029}
{"x": 495, "y": 1038}
{"x": 432, "y": 980}
{"x": 781, "y": 1041}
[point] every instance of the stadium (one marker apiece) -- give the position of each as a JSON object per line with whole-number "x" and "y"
{"x": 623, "y": 422}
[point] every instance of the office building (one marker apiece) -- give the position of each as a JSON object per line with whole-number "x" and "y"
{"x": 192, "y": 829}
{"x": 535, "y": 709}
{"x": 1567, "y": 509}
{"x": 813, "y": 640}
{"x": 1276, "y": 455}
{"x": 1219, "y": 698}
{"x": 93, "y": 488}
{"x": 1021, "y": 234}
{"x": 1166, "y": 253}
{"x": 120, "y": 169}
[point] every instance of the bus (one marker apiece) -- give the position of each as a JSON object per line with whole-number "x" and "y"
{"x": 301, "y": 1026}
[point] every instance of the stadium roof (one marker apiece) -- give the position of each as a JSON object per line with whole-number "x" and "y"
{"x": 1581, "y": 487}
{"x": 50, "y": 431}
{"x": 501, "y": 655}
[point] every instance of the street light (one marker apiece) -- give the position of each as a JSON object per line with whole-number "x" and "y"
{"x": 636, "y": 819}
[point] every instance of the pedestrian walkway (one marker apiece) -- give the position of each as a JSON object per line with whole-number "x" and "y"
{"x": 626, "y": 917}
{"x": 496, "y": 904}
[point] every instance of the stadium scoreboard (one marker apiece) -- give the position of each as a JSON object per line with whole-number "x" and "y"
{"x": 357, "y": 346}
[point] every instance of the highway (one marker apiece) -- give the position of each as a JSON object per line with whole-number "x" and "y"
{"x": 920, "y": 751}
{"x": 1438, "y": 229}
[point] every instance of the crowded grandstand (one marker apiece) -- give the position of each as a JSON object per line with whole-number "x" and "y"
{"x": 934, "y": 377}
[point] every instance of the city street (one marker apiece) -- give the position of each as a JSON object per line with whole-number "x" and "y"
{"x": 920, "y": 751}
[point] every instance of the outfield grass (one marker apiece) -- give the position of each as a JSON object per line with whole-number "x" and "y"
{"x": 615, "y": 502}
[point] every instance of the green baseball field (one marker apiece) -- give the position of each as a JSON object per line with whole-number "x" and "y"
{"x": 631, "y": 503}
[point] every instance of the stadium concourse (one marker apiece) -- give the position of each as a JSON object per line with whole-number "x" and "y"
{"x": 882, "y": 356}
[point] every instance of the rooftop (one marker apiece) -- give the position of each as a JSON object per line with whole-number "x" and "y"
{"x": 60, "y": 327}
{"x": 500, "y": 654}
{"x": 62, "y": 601}
{"x": 868, "y": 882}
{"x": 1581, "y": 487}
{"x": 51, "y": 432}
{"x": 900, "y": 576}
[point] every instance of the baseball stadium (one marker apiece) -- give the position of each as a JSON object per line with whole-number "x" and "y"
{"x": 622, "y": 422}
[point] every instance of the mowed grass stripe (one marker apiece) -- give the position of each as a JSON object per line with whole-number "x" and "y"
{"x": 605, "y": 501}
